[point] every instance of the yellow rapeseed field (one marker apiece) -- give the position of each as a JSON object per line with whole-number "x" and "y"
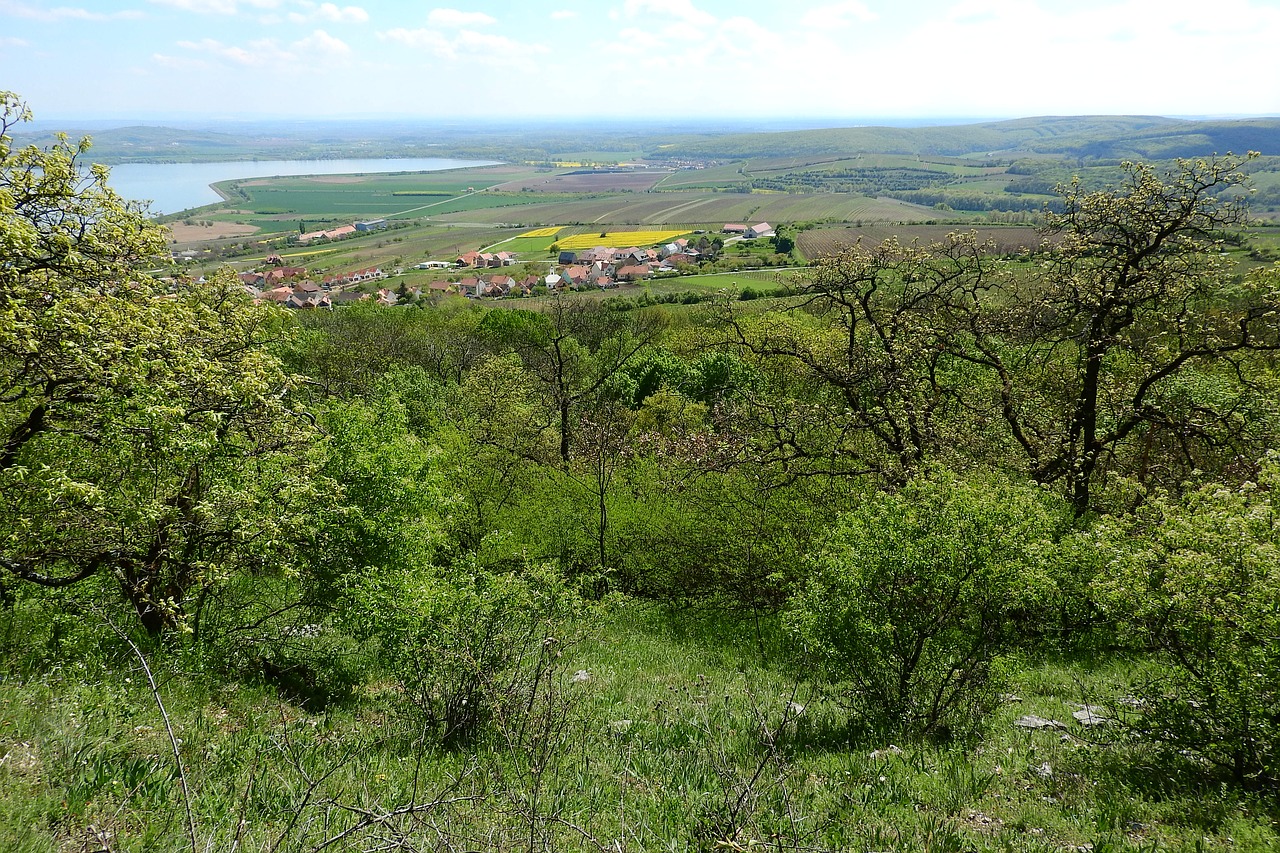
{"x": 618, "y": 239}
{"x": 544, "y": 232}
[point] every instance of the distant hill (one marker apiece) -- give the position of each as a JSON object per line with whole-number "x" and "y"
{"x": 153, "y": 144}
{"x": 1090, "y": 137}
{"x": 1082, "y": 138}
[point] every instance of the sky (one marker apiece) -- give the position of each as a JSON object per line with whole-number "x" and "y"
{"x": 850, "y": 60}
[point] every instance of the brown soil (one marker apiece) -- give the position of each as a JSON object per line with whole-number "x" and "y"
{"x": 198, "y": 233}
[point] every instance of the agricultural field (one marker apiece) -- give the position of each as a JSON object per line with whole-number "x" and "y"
{"x": 587, "y": 181}
{"x": 720, "y": 176}
{"x": 441, "y": 214}
{"x": 705, "y": 210}
{"x": 618, "y": 239}
{"x": 522, "y": 245}
{"x": 822, "y": 241}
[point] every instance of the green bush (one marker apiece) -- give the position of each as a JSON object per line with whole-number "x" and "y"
{"x": 912, "y": 607}
{"x": 1199, "y": 580}
{"x": 468, "y": 646}
{"x": 312, "y": 665}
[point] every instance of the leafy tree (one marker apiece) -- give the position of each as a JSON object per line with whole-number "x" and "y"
{"x": 574, "y": 351}
{"x": 867, "y": 372}
{"x": 493, "y": 448}
{"x": 1128, "y": 348}
{"x": 1133, "y": 295}
{"x": 145, "y": 441}
{"x": 469, "y": 647}
{"x": 346, "y": 351}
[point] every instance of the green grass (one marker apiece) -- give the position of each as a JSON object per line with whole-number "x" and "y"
{"x": 676, "y": 740}
{"x": 524, "y": 245}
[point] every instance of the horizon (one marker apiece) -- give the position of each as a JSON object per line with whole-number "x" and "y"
{"x": 838, "y": 62}
{"x": 728, "y": 124}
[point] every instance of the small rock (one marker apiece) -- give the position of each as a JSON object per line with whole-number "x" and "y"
{"x": 1031, "y": 721}
{"x": 581, "y": 676}
{"x": 1090, "y": 716}
{"x": 876, "y": 755}
{"x": 1044, "y": 771}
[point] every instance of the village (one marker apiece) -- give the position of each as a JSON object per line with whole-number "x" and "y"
{"x": 599, "y": 268}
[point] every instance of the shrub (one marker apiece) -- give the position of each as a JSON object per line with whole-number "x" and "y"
{"x": 467, "y": 645}
{"x": 910, "y": 609}
{"x": 1199, "y": 580}
{"x": 312, "y": 665}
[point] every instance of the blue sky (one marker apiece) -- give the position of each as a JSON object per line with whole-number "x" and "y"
{"x": 846, "y": 59}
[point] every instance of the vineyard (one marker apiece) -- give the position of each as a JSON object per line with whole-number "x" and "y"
{"x": 824, "y": 241}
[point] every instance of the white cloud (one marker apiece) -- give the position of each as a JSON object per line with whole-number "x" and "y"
{"x": 179, "y": 63}
{"x": 837, "y": 15}
{"x": 973, "y": 58}
{"x": 263, "y": 53}
{"x": 217, "y": 7}
{"x": 257, "y": 53}
{"x": 329, "y": 12}
{"x": 321, "y": 43}
{"x": 431, "y": 40}
{"x": 455, "y": 18}
{"x": 675, "y": 10}
{"x": 495, "y": 49}
{"x": 63, "y": 13}
{"x": 11, "y": 41}
{"x": 563, "y": 15}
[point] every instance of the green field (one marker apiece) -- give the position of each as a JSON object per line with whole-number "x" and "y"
{"x": 524, "y": 245}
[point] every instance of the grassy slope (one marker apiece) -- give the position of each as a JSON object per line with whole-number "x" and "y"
{"x": 668, "y": 745}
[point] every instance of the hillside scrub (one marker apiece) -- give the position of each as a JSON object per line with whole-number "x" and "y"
{"x": 818, "y": 572}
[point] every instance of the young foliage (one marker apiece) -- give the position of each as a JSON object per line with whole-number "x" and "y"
{"x": 467, "y": 645}
{"x": 145, "y": 439}
{"x": 1199, "y": 580}
{"x": 1096, "y": 353}
{"x": 911, "y": 608}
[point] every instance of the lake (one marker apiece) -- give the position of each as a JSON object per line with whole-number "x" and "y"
{"x": 172, "y": 187}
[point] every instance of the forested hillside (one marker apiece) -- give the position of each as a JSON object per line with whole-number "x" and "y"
{"x": 947, "y": 548}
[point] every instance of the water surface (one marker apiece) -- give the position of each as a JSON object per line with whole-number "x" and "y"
{"x": 171, "y": 187}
